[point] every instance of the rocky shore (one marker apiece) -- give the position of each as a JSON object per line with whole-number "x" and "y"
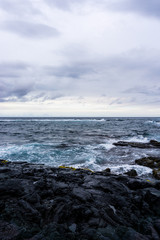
{"x": 45, "y": 203}
{"x": 150, "y": 161}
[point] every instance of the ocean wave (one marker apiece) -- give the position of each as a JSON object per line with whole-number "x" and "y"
{"x": 53, "y": 120}
{"x": 139, "y": 138}
{"x": 156, "y": 123}
{"x": 75, "y": 157}
{"x": 107, "y": 146}
{"x": 121, "y": 169}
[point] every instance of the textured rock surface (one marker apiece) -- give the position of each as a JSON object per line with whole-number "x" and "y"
{"x": 153, "y": 163}
{"x": 151, "y": 144}
{"x": 45, "y": 203}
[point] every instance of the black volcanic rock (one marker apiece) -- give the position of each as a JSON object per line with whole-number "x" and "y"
{"x": 156, "y": 173}
{"x": 152, "y": 162}
{"x": 45, "y": 203}
{"x": 151, "y": 144}
{"x": 132, "y": 173}
{"x": 155, "y": 143}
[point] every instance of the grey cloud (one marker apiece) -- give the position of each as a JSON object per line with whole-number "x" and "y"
{"x": 52, "y": 95}
{"x": 12, "y": 70}
{"x": 154, "y": 91}
{"x": 26, "y": 8}
{"x": 120, "y": 77}
{"x": 115, "y": 76}
{"x": 7, "y": 75}
{"x": 12, "y": 84}
{"x": 64, "y": 5}
{"x": 18, "y": 82}
{"x": 30, "y": 30}
{"x": 135, "y": 63}
{"x": 10, "y": 89}
{"x": 18, "y": 7}
{"x": 122, "y": 100}
{"x": 116, "y": 101}
{"x": 75, "y": 70}
{"x": 144, "y": 7}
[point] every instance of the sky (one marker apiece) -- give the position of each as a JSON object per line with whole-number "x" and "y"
{"x": 64, "y": 58}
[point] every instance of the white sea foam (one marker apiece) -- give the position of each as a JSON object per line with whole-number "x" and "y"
{"x": 153, "y": 122}
{"x": 89, "y": 165}
{"x": 37, "y": 153}
{"x": 53, "y": 120}
{"x": 121, "y": 169}
{"x": 139, "y": 138}
{"x": 149, "y": 121}
{"x": 108, "y": 145}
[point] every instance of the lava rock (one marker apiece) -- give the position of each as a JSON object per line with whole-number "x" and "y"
{"x": 132, "y": 173}
{"x": 151, "y": 162}
{"x": 155, "y": 143}
{"x": 151, "y": 144}
{"x": 156, "y": 173}
{"x": 39, "y": 202}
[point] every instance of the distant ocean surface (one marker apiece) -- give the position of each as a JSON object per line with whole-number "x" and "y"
{"x": 78, "y": 142}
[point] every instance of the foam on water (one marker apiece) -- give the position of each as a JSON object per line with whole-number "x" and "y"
{"x": 139, "y": 138}
{"x": 78, "y": 142}
{"x": 156, "y": 123}
{"x": 108, "y": 145}
{"x": 53, "y": 120}
{"x": 121, "y": 169}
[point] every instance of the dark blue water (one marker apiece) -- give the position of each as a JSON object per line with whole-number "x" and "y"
{"x": 78, "y": 142}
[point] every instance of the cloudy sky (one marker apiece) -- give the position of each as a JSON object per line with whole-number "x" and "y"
{"x": 80, "y": 58}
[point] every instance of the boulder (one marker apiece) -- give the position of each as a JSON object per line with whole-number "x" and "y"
{"x": 132, "y": 173}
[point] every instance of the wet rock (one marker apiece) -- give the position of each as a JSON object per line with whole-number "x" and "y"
{"x": 155, "y": 143}
{"x": 39, "y": 202}
{"x": 82, "y": 194}
{"x": 157, "y": 225}
{"x": 132, "y": 234}
{"x": 11, "y": 187}
{"x": 152, "y": 162}
{"x": 3, "y": 162}
{"x": 9, "y": 231}
{"x": 73, "y": 227}
{"x": 133, "y": 144}
{"x": 156, "y": 173}
{"x": 132, "y": 173}
{"x": 151, "y": 144}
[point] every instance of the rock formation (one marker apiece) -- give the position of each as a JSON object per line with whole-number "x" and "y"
{"x": 45, "y": 203}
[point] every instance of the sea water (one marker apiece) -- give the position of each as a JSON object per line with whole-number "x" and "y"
{"x": 79, "y": 142}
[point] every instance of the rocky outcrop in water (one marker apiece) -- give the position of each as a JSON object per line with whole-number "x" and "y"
{"x": 151, "y": 144}
{"x": 151, "y": 162}
{"x": 45, "y": 203}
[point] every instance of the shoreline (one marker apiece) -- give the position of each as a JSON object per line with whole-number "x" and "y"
{"x": 41, "y": 202}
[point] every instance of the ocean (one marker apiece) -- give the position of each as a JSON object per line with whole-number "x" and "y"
{"x": 79, "y": 142}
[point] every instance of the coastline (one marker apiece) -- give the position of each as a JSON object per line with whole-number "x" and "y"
{"x": 41, "y": 202}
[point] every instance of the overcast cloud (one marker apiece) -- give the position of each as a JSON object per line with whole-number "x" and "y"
{"x": 29, "y": 30}
{"x": 95, "y": 58}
